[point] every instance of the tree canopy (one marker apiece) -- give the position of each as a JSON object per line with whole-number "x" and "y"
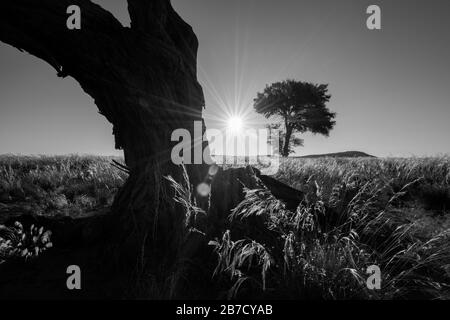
{"x": 298, "y": 106}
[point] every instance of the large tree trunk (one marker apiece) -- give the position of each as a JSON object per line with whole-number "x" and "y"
{"x": 143, "y": 80}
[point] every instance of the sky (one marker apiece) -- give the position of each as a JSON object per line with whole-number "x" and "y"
{"x": 389, "y": 87}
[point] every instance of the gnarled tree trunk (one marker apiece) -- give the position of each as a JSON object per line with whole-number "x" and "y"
{"x": 143, "y": 80}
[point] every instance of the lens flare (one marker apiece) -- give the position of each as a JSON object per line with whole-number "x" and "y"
{"x": 235, "y": 124}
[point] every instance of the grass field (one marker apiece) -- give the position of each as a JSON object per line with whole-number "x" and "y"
{"x": 359, "y": 212}
{"x": 67, "y": 185}
{"x": 392, "y": 213}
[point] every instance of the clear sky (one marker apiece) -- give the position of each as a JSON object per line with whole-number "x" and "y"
{"x": 389, "y": 87}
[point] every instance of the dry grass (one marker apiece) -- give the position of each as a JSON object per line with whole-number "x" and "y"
{"x": 392, "y": 213}
{"x": 67, "y": 185}
{"x": 354, "y": 216}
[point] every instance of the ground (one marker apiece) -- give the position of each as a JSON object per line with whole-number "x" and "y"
{"x": 356, "y": 212}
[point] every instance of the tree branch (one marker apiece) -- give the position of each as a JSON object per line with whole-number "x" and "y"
{"x": 143, "y": 79}
{"x": 148, "y": 15}
{"x": 39, "y": 27}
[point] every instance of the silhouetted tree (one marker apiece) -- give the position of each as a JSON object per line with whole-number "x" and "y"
{"x": 298, "y": 107}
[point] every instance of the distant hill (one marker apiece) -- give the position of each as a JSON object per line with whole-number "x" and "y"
{"x": 346, "y": 154}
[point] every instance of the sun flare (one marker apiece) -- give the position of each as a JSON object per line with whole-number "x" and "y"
{"x": 235, "y": 124}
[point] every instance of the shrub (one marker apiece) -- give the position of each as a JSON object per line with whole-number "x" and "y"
{"x": 18, "y": 243}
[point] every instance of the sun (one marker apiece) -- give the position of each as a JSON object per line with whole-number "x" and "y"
{"x": 235, "y": 124}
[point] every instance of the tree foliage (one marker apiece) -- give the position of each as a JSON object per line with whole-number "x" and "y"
{"x": 299, "y": 106}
